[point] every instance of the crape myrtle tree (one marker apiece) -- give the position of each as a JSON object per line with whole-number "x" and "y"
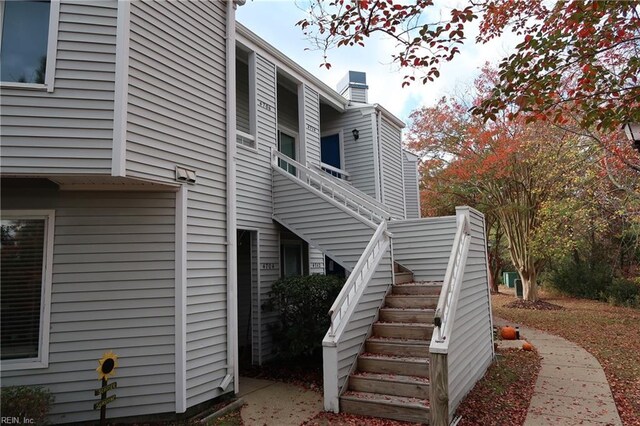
{"x": 527, "y": 176}
{"x": 575, "y": 59}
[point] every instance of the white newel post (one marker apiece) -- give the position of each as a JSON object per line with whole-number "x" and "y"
{"x": 330, "y": 376}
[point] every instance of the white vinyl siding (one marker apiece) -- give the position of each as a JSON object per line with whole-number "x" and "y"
{"x": 411, "y": 190}
{"x": 176, "y": 115}
{"x": 365, "y": 314}
{"x": 390, "y": 143}
{"x": 322, "y": 222}
{"x": 470, "y": 346}
{"x": 424, "y": 245}
{"x": 254, "y": 206}
{"x": 359, "y": 155}
{"x": 311, "y": 125}
{"x": 70, "y": 130}
{"x": 112, "y": 289}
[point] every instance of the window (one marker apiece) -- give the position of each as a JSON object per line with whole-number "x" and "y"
{"x": 291, "y": 258}
{"x": 25, "y": 287}
{"x": 28, "y": 42}
{"x": 245, "y": 99}
{"x": 287, "y": 144}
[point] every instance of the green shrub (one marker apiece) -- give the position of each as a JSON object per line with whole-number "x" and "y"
{"x": 302, "y": 305}
{"x": 581, "y": 278}
{"x": 623, "y": 292}
{"x": 30, "y": 402}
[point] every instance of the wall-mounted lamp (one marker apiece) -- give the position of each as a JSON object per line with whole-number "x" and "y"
{"x": 356, "y": 134}
{"x": 632, "y": 130}
{"x": 185, "y": 175}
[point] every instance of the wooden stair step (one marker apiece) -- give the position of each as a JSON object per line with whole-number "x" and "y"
{"x": 403, "y": 330}
{"x": 411, "y": 301}
{"x": 423, "y": 288}
{"x": 403, "y": 277}
{"x": 421, "y": 315}
{"x": 390, "y": 384}
{"x": 389, "y": 364}
{"x": 386, "y": 406}
{"x": 398, "y": 347}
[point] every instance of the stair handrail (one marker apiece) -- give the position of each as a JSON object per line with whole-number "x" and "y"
{"x": 348, "y": 186}
{"x": 357, "y": 281}
{"x": 448, "y": 300}
{"x": 359, "y": 204}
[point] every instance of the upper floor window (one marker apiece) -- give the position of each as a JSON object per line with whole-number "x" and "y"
{"x": 245, "y": 98}
{"x": 27, "y": 52}
{"x": 25, "y": 287}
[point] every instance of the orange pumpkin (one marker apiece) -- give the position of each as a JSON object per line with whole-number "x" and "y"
{"x": 508, "y": 333}
{"x": 527, "y": 346}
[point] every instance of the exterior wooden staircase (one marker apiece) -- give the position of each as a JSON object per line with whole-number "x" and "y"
{"x": 392, "y": 375}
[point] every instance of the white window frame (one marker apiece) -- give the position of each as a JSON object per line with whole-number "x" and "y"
{"x": 253, "y": 107}
{"x": 52, "y": 49}
{"x": 42, "y": 361}
{"x": 335, "y": 131}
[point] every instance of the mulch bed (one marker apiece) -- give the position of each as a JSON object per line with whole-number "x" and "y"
{"x": 539, "y": 305}
{"x": 503, "y": 395}
{"x": 610, "y": 333}
{"x": 344, "y": 419}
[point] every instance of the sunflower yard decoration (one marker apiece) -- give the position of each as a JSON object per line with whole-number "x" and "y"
{"x": 106, "y": 369}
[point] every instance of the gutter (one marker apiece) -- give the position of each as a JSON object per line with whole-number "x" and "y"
{"x": 232, "y": 276}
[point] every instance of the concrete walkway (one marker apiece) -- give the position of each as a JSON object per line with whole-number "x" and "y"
{"x": 274, "y": 403}
{"x": 571, "y": 388}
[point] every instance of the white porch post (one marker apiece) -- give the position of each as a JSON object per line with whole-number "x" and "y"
{"x": 330, "y": 376}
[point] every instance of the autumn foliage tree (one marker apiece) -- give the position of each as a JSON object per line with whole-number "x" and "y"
{"x": 528, "y": 176}
{"x": 577, "y": 59}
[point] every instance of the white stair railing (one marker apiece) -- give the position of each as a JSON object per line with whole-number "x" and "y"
{"x": 344, "y": 307}
{"x": 443, "y": 318}
{"x": 357, "y": 281}
{"x": 340, "y": 193}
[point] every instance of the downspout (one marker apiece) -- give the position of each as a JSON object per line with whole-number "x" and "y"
{"x": 232, "y": 276}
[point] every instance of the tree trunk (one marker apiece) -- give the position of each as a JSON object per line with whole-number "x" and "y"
{"x": 529, "y": 286}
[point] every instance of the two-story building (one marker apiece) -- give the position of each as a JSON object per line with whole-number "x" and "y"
{"x": 162, "y": 166}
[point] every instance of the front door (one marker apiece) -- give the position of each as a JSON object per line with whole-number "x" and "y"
{"x": 330, "y": 152}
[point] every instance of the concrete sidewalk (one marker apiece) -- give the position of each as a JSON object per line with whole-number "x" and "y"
{"x": 571, "y": 388}
{"x": 275, "y": 403}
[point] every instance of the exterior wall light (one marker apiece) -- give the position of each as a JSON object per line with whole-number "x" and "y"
{"x": 632, "y": 130}
{"x": 356, "y": 134}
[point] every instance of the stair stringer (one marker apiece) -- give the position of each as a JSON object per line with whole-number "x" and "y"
{"x": 321, "y": 221}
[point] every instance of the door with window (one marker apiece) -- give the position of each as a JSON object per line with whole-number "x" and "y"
{"x": 287, "y": 146}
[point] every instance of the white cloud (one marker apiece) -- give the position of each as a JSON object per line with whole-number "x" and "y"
{"x": 275, "y": 22}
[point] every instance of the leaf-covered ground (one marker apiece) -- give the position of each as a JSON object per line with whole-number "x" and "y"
{"x": 610, "y": 333}
{"x": 344, "y": 419}
{"x": 502, "y": 396}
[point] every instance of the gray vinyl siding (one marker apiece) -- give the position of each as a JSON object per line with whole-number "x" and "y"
{"x": 364, "y": 316}
{"x": 319, "y": 221}
{"x": 470, "y": 347}
{"x": 254, "y": 205}
{"x": 311, "y": 125}
{"x": 424, "y": 245}
{"x": 411, "y": 191}
{"x": 359, "y": 155}
{"x": 177, "y": 116}
{"x": 356, "y": 94}
{"x": 112, "y": 289}
{"x": 390, "y": 140}
{"x": 316, "y": 261}
{"x": 70, "y": 130}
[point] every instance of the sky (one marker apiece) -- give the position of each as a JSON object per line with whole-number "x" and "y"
{"x": 274, "y": 21}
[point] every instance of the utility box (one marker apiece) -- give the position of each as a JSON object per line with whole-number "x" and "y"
{"x": 519, "y": 289}
{"x": 508, "y": 278}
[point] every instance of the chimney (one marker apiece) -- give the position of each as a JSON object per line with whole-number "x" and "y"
{"x": 354, "y": 87}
